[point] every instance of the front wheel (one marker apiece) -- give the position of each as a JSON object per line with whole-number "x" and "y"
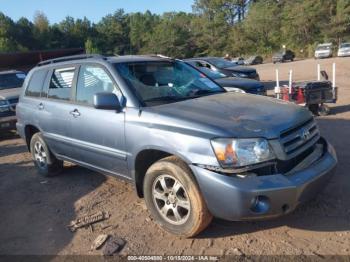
{"x": 46, "y": 163}
{"x": 173, "y": 198}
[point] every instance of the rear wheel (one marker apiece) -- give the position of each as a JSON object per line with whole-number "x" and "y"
{"x": 46, "y": 163}
{"x": 173, "y": 198}
{"x": 314, "y": 109}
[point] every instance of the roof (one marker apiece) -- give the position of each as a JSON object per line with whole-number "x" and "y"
{"x": 137, "y": 58}
{"x": 325, "y": 44}
{"x": 66, "y": 60}
{"x": 200, "y": 58}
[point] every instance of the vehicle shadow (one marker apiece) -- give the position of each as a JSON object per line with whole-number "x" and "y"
{"x": 8, "y": 150}
{"x": 7, "y": 135}
{"x": 35, "y": 211}
{"x": 340, "y": 109}
{"x": 328, "y": 212}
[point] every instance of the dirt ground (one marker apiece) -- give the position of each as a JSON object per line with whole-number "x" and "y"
{"x": 35, "y": 211}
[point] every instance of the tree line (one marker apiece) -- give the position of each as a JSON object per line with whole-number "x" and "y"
{"x": 215, "y": 27}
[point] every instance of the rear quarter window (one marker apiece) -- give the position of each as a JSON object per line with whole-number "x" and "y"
{"x": 36, "y": 83}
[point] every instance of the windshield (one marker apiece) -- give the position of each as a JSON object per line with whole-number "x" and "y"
{"x": 166, "y": 82}
{"x": 12, "y": 80}
{"x": 280, "y": 53}
{"x": 220, "y": 62}
{"x": 345, "y": 45}
{"x": 211, "y": 73}
{"x": 327, "y": 47}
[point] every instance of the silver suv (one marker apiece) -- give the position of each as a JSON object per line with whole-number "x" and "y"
{"x": 10, "y": 89}
{"x": 191, "y": 149}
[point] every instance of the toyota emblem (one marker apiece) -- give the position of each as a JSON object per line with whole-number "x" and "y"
{"x": 305, "y": 134}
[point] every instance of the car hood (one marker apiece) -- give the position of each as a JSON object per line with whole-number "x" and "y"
{"x": 344, "y": 49}
{"x": 243, "y": 83}
{"x": 241, "y": 69}
{"x": 10, "y": 93}
{"x": 232, "y": 115}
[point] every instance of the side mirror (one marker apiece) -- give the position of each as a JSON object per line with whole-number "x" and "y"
{"x": 107, "y": 101}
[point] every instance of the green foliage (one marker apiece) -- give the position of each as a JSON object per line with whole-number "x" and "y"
{"x": 91, "y": 48}
{"x": 171, "y": 36}
{"x": 216, "y": 27}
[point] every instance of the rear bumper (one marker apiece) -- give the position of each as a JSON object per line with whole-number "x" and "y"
{"x": 8, "y": 123}
{"x": 234, "y": 199}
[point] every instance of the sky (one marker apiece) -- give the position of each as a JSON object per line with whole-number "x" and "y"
{"x": 57, "y": 10}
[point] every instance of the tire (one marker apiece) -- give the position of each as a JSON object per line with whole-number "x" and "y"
{"x": 46, "y": 163}
{"x": 194, "y": 216}
{"x": 323, "y": 110}
{"x": 314, "y": 108}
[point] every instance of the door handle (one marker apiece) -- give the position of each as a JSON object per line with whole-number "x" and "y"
{"x": 41, "y": 106}
{"x": 75, "y": 113}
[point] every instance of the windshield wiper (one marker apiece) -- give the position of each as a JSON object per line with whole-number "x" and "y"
{"x": 166, "y": 98}
{"x": 200, "y": 93}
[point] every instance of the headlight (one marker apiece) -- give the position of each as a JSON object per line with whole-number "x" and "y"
{"x": 234, "y": 89}
{"x": 233, "y": 153}
{"x": 4, "y": 106}
{"x": 239, "y": 75}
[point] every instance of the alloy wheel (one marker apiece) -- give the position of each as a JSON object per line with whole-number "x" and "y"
{"x": 171, "y": 199}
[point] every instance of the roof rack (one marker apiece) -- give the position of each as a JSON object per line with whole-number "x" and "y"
{"x": 70, "y": 58}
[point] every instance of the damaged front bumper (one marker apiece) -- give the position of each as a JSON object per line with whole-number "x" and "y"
{"x": 254, "y": 197}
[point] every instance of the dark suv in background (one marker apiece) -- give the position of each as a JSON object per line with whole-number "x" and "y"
{"x": 191, "y": 149}
{"x": 10, "y": 89}
{"x": 283, "y": 56}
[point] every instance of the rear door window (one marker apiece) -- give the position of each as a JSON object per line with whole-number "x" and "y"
{"x": 61, "y": 83}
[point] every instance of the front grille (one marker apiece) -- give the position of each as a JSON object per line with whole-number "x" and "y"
{"x": 299, "y": 138}
{"x": 287, "y": 165}
{"x": 7, "y": 113}
{"x": 13, "y": 101}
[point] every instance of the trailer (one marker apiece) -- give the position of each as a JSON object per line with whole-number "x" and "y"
{"x": 311, "y": 94}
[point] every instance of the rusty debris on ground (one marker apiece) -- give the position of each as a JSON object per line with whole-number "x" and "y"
{"x": 88, "y": 220}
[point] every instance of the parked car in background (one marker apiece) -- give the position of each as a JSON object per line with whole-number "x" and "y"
{"x": 232, "y": 84}
{"x": 254, "y": 60}
{"x": 344, "y": 50}
{"x": 238, "y": 60}
{"x": 324, "y": 50}
{"x": 226, "y": 67}
{"x": 283, "y": 56}
{"x": 10, "y": 89}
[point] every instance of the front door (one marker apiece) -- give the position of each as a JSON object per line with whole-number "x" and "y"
{"x": 98, "y": 134}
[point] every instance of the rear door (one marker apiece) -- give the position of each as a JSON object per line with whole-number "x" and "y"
{"x": 55, "y": 110}
{"x": 98, "y": 134}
